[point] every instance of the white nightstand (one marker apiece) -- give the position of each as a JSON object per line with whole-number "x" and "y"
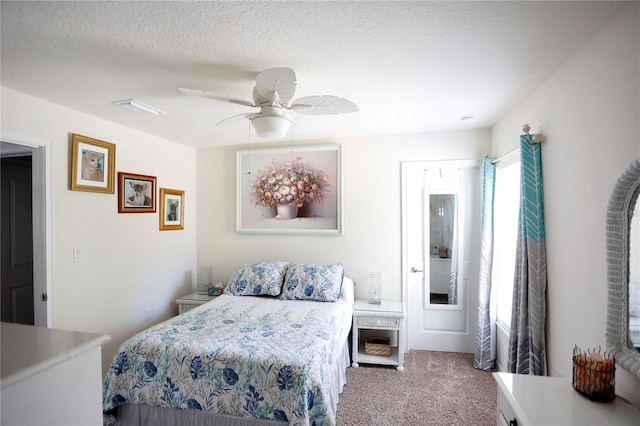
{"x": 386, "y": 316}
{"x": 190, "y": 301}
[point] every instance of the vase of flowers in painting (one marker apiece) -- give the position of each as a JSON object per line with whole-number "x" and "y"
{"x": 289, "y": 186}
{"x": 286, "y": 212}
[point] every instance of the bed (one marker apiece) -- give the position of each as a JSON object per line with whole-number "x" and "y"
{"x": 272, "y": 349}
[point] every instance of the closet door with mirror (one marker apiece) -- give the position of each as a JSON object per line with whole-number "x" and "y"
{"x": 441, "y": 221}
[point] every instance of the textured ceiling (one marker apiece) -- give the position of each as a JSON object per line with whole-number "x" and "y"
{"x": 410, "y": 66}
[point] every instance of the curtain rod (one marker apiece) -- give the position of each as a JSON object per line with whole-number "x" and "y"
{"x": 537, "y": 138}
{"x": 505, "y": 156}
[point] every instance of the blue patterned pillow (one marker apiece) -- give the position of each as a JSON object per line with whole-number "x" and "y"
{"x": 322, "y": 283}
{"x": 257, "y": 279}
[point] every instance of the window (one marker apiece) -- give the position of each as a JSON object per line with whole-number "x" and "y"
{"x": 506, "y": 210}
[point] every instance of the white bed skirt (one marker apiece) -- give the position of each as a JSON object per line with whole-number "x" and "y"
{"x": 138, "y": 415}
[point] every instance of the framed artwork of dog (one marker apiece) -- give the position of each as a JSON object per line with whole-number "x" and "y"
{"x": 171, "y": 209}
{"x": 93, "y": 164}
{"x": 136, "y": 193}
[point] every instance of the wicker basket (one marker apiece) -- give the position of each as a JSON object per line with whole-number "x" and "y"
{"x": 378, "y": 346}
{"x": 594, "y": 376}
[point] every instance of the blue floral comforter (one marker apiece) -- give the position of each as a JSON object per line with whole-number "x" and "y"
{"x": 244, "y": 356}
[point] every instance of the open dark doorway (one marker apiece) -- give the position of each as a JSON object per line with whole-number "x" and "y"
{"x": 17, "y": 240}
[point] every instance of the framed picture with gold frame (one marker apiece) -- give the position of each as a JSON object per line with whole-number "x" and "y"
{"x": 171, "y": 209}
{"x": 93, "y": 165}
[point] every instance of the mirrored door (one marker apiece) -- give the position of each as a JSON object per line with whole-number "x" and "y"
{"x": 440, "y": 235}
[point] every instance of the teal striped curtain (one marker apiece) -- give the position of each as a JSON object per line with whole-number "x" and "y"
{"x": 527, "y": 351}
{"x": 485, "y": 351}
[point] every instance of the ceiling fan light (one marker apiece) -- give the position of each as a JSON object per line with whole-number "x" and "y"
{"x": 271, "y": 127}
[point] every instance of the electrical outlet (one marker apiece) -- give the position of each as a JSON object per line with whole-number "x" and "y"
{"x": 147, "y": 314}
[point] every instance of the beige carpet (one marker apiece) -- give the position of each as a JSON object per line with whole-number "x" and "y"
{"x": 436, "y": 388}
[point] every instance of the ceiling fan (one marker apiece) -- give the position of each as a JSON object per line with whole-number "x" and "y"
{"x": 272, "y": 93}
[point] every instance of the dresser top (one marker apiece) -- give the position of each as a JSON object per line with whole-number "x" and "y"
{"x": 542, "y": 401}
{"x": 27, "y": 350}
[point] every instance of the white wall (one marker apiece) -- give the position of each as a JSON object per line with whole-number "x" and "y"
{"x": 129, "y": 264}
{"x": 372, "y": 228}
{"x": 589, "y": 111}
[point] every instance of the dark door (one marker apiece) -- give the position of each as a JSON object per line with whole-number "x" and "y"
{"x": 17, "y": 240}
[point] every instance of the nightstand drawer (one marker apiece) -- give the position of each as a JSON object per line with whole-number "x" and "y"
{"x": 191, "y": 301}
{"x": 378, "y": 321}
{"x": 186, "y": 307}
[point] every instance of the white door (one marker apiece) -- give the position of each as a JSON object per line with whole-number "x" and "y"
{"x": 440, "y": 253}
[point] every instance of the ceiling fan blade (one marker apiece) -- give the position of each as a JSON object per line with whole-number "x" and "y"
{"x": 275, "y": 85}
{"x": 236, "y": 118}
{"x": 326, "y": 104}
{"x": 215, "y": 97}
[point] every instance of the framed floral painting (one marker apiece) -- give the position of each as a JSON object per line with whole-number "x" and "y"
{"x": 289, "y": 190}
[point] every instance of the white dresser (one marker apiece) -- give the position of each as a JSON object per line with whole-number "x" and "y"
{"x": 534, "y": 400}
{"x": 50, "y": 377}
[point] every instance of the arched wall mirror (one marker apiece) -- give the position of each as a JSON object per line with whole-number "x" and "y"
{"x": 634, "y": 280}
{"x": 623, "y": 271}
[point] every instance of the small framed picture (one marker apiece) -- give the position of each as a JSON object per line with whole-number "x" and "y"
{"x": 171, "y": 209}
{"x": 93, "y": 164}
{"x": 136, "y": 193}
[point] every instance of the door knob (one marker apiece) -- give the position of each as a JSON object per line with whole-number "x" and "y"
{"x": 414, "y": 270}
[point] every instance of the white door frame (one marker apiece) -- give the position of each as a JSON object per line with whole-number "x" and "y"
{"x": 42, "y": 222}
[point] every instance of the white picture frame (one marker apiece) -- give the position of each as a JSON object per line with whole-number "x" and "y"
{"x": 307, "y": 176}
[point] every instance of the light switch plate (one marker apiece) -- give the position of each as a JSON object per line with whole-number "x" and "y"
{"x": 78, "y": 254}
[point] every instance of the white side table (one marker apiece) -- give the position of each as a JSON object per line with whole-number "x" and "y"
{"x": 190, "y": 301}
{"x": 386, "y": 316}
